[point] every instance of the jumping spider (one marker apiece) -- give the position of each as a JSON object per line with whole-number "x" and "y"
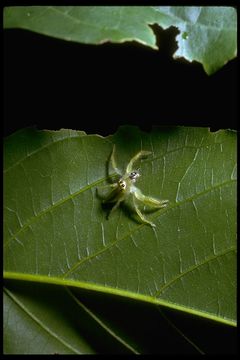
{"x": 125, "y": 188}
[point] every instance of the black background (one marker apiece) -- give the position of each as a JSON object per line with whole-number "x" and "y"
{"x": 54, "y": 84}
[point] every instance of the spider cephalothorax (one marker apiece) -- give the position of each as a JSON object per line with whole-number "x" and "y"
{"x": 125, "y": 187}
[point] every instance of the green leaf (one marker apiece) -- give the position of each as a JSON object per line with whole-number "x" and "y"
{"x": 56, "y": 231}
{"x": 46, "y": 319}
{"x": 208, "y": 34}
{"x": 37, "y": 322}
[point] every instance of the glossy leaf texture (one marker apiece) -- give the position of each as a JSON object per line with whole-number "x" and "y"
{"x": 207, "y": 34}
{"x": 56, "y": 230}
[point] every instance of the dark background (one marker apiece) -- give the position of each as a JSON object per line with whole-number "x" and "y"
{"x": 54, "y": 84}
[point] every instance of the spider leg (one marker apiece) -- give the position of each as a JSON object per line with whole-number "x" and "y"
{"x": 139, "y": 155}
{"x": 114, "y": 207}
{"x": 148, "y": 200}
{"x": 144, "y": 220}
{"x": 113, "y": 162}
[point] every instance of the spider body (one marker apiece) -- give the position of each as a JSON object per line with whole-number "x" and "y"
{"x": 125, "y": 188}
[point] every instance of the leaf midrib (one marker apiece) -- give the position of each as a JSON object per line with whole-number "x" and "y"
{"x": 116, "y": 291}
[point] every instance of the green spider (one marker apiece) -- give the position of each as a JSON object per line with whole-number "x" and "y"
{"x": 125, "y": 188}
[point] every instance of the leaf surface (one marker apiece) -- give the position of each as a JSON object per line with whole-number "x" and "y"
{"x": 56, "y": 229}
{"x": 208, "y": 34}
{"x": 42, "y": 323}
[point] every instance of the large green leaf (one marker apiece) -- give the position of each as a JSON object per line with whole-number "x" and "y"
{"x": 56, "y": 231}
{"x": 207, "y": 34}
{"x": 42, "y": 323}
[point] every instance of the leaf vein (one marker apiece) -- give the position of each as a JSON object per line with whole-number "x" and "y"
{"x": 39, "y": 322}
{"x": 192, "y": 268}
{"x": 137, "y": 228}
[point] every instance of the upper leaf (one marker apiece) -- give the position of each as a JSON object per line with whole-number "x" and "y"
{"x": 207, "y": 34}
{"x": 56, "y": 231}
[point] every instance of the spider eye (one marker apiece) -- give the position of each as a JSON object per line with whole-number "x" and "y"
{"x": 134, "y": 175}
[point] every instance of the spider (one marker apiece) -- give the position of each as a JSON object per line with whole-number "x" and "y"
{"x": 125, "y": 188}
